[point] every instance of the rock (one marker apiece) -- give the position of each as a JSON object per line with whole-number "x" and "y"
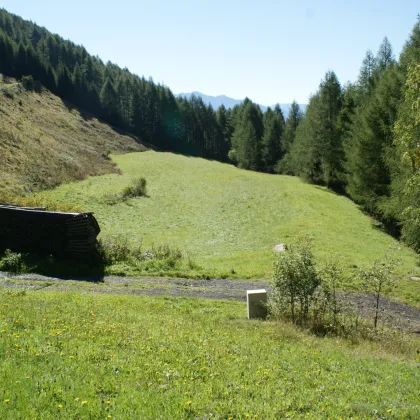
{"x": 280, "y": 248}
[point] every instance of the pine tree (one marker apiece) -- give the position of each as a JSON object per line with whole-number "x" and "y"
{"x": 317, "y": 153}
{"x": 109, "y": 101}
{"x": 246, "y": 140}
{"x": 285, "y": 164}
{"x": 273, "y": 130}
{"x": 366, "y": 80}
{"x": 368, "y": 176}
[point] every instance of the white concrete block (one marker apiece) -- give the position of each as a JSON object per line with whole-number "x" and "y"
{"x": 256, "y": 303}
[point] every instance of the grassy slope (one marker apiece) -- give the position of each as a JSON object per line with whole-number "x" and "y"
{"x": 230, "y": 219}
{"x": 76, "y": 355}
{"x": 44, "y": 143}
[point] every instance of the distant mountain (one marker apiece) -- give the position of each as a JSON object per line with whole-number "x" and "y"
{"x": 217, "y": 101}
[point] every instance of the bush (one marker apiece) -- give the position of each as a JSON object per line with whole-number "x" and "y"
{"x": 138, "y": 189}
{"x": 115, "y": 249}
{"x": 308, "y": 296}
{"x": 13, "y": 262}
{"x": 295, "y": 281}
{"x": 379, "y": 279}
{"x": 28, "y": 82}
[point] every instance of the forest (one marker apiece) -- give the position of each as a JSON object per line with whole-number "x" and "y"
{"x": 360, "y": 139}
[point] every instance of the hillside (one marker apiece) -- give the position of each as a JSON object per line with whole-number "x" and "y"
{"x": 45, "y": 141}
{"x": 228, "y": 220}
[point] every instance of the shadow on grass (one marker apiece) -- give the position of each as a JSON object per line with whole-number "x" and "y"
{"x": 92, "y": 269}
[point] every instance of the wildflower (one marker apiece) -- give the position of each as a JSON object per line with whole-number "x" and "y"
{"x": 108, "y": 402}
{"x": 84, "y": 402}
{"x": 6, "y": 401}
{"x": 109, "y": 416}
{"x": 188, "y": 402}
{"x": 59, "y": 406}
{"x": 388, "y": 411}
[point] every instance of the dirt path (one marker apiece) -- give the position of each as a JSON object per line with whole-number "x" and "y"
{"x": 395, "y": 314}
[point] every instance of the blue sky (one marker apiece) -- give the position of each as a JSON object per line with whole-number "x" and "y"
{"x": 269, "y": 50}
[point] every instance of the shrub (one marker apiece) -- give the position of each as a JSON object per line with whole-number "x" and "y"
{"x": 138, "y": 189}
{"x": 308, "y": 296}
{"x": 295, "y": 281}
{"x": 8, "y": 94}
{"x": 379, "y": 279}
{"x": 28, "y": 82}
{"x": 117, "y": 252}
{"x": 13, "y": 262}
{"x": 114, "y": 249}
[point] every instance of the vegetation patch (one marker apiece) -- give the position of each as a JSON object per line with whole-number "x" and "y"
{"x": 119, "y": 257}
{"x": 92, "y": 356}
{"x": 227, "y": 220}
{"x": 137, "y": 189}
{"x": 13, "y": 262}
{"x": 45, "y": 141}
{"x": 308, "y": 296}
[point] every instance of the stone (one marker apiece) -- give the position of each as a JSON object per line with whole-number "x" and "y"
{"x": 280, "y": 248}
{"x": 256, "y": 301}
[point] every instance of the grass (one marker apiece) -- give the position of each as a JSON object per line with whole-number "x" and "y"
{"x": 228, "y": 220}
{"x": 45, "y": 141}
{"x": 77, "y": 355}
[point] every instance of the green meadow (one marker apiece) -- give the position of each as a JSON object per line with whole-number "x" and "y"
{"x": 227, "y": 220}
{"x": 92, "y": 356}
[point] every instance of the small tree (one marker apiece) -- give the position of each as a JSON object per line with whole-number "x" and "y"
{"x": 295, "y": 280}
{"x": 379, "y": 278}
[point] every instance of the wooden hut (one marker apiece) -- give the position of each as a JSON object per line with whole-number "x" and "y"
{"x": 35, "y": 230}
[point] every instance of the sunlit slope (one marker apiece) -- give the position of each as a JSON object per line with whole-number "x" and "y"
{"x": 227, "y": 218}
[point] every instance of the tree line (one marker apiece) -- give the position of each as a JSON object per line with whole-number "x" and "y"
{"x": 360, "y": 139}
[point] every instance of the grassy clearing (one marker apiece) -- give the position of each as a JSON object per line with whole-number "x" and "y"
{"x": 44, "y": 141}
{"x": 75, "y": 355}
{"x": 227, "y": 220}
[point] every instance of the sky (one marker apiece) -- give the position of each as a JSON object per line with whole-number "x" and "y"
{"x": 269, "y": 50}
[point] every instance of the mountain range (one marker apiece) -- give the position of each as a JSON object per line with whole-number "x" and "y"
{"x": 217, "y": 101}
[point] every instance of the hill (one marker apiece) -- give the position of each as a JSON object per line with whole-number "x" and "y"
{"x": 217, "y": 101}
{"x": 227, "y": 220}
{"x": 45, "y": 141}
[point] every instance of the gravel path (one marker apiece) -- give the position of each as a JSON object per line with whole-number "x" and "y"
{"x": 395, "y": 314}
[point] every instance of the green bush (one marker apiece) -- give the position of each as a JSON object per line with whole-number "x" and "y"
{"x": 308, "y": 296}
{"x": 13, "y": 262}
{"x": 138, "y": 189}
{"x": 114, "y": 249}
{"x": 295, "y": 281}
{"x": 379, "y": 279}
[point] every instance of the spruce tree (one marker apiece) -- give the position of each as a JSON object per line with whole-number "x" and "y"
{"x": 273, "y": 129}
{"x": 246, "y": 140}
